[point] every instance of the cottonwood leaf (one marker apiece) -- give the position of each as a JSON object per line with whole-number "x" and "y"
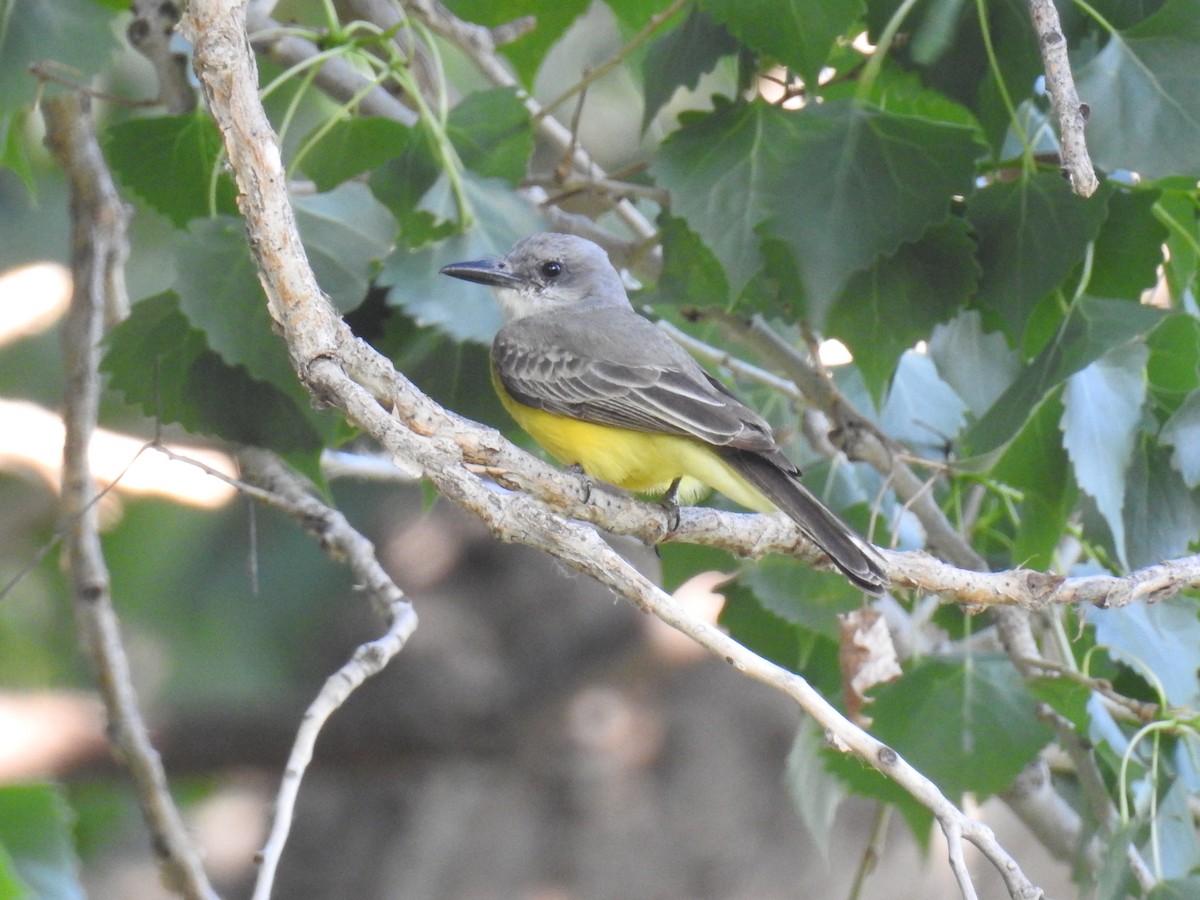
{"x": 1161, "y": 515}
{"x": 1182, "y": 432}
{"x": 798, "y": 33}
{"x": 345, "y": 233}
{"x": 1102, "y": 409}
{"x": 680, "y": 57}
{"x": 886, "y": 309}
{"x": 1092, "y": 328}
{"x": 171, "y": 163}
{"x": 968, "y": 725}
{"x": 1032, "y": 232}
{"x": 978, "y": 364}
{"x": 1144, "y": 83}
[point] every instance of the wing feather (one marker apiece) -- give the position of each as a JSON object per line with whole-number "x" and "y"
{"x": 614, "y": 367}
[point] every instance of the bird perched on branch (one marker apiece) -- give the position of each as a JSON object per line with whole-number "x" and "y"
{"x": 601, "y": 387}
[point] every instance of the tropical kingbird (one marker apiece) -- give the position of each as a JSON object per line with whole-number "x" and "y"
{"x": 599, "y": 386}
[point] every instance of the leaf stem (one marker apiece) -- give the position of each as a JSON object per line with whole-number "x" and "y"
{"x": 883, "y": 45}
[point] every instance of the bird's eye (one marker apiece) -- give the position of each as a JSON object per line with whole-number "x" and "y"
{"x": 552, "y": 268}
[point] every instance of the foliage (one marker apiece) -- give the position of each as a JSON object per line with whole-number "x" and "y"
{"x": 895, "y": 200}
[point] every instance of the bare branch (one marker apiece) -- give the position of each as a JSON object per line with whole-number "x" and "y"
{"x": 1071, "y": 112}
{"x": 341, "y": 541}
{"x": 98, "y": 253}
{"x": 150, "y": 33}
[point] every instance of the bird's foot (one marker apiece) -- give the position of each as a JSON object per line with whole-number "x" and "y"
{"x": 671, "y": 505}
{"x": 585, "y": 481}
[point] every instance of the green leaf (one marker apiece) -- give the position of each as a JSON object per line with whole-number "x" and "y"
{"x": 1129, "y": 247}
{"x": 490, "y": 130}
{"x": 1036, "y": 464}
{"x": 1161, "y": 515}
{"x": 1179, "y": 210}
{"x": 1174, "y": 366}
{"x": 711, "y": 166}
{"x": 1092, "y": 328}
{"x": 680, "y": 57}
{"x": 553, "y": 17}
{"x": 1032, "y": 233}
{"x": 353, "y": 146}
{"x": 345, "y": 232}
{"x": 13, "y": 148}
{"x": 161, "y": 363}
{"x": 219, "y": 292}
{"x": 762, "y": 631}
{"x": 946, "y": 46}
{"x": 978, "y": 364}
{"x": 77, "y": 33}
{"x": 466, "y": 312}
{"x": 921, "y": 410}
{"x": 691, "y": 275}
{"x": 1185, "y": 888}
{"x": 1144, "y": 83}
{"x": 800, "y": 595}
{"x": 968, "y": 725}
{"x": 1102, "y": 412}
{"x": 1182, "y": 431}
{"x": 35, "y": 830}
{"x": 815, "y": 791}
{"x": 808, "y": 180}
{"x": 1066, "y": 697}
{"x": 1162, "y": 636}
{"x": 798, "y": 33}
{"x": 682, "y": 561}
{"x": 886, "y": 309}
{"x": 170, "y": 162}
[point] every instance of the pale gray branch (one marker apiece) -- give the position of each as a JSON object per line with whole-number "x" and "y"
{"x": 99, "y": 248}
{"x": 1071, "y": 112}
{"x": 289, "y": 493}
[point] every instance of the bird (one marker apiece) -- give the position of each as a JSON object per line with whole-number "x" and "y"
{"x": 603, "y": 389}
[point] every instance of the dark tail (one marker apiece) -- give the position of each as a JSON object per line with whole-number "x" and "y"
{"x": 779, "y": 483}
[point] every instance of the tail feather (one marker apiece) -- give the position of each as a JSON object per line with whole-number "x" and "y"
{"x": 781, "y": 486}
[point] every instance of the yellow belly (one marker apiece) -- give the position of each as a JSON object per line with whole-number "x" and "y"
{"x": 635, "y": 460}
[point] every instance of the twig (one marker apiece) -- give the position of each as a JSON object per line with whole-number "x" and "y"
{"x": 98, "y": 254}
{"x": 150, "y": 33}
{"x": 336, "y": 77}
{"x": 326, "y": 355}
{"x": 341, "y": 541}
{"x": 1071, "y": 112}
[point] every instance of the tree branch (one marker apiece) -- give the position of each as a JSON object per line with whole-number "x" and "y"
{"x": 1071, "y": 112}
{"x": 288, "y": 492}
{"x": 326, "y": 355}
{"x": 98, "y": 254}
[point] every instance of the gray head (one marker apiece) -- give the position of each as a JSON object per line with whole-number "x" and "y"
{"x": 547, "y": 271}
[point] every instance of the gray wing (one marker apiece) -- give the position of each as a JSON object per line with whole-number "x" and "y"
{"x": 614, "y": 367}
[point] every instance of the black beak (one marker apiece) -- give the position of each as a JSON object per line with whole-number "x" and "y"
{"x": 492, "y": 272}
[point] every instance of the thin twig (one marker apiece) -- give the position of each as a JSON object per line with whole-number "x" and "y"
{"x": 1071, "y": 112}
{"x": 288, "y": 492}
{"x": 98, "y": 254}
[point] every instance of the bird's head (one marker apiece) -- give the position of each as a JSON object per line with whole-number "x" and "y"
{"x": 545, "y": 272}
